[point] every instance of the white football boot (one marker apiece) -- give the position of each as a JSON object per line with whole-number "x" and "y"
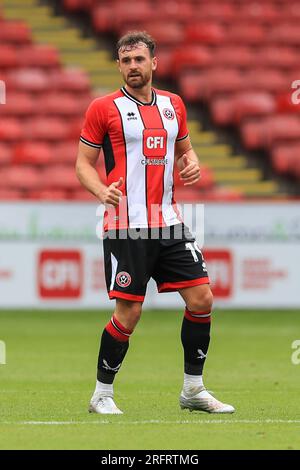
{"x": 103, "y": 405}
{"x": 198, "y": 399}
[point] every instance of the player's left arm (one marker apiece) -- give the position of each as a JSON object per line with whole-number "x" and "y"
{"x": 187, "y": 161}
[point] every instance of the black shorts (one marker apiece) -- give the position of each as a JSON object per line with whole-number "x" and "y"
{"x": 171, "y": 257}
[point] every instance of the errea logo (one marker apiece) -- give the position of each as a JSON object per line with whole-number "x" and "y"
{"x": 131, "y": 117}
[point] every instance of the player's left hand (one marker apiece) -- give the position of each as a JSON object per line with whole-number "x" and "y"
{"x": 190, "y": 173}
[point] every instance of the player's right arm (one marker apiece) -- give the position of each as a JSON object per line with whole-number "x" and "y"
{"x": 88, "y": 176}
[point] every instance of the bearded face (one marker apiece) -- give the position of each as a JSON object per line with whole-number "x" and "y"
{"x": 136, "y": 65}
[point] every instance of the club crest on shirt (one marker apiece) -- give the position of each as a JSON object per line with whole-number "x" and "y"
{"x": 123, "y": 279}
{"x": 168, "y": 113}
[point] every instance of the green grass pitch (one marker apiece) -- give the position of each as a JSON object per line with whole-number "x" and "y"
{"x": 49, "y": 376}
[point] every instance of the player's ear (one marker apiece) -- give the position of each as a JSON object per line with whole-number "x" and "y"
{"x": 154, "y": 63}
{"x": 118, "y": 62}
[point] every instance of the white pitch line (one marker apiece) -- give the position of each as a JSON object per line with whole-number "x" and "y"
{"x": 153, "y": 421}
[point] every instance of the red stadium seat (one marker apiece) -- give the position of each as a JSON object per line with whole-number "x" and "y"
{"x": 60, "y": 177}
{"x": 236, "y": 56}
{"x": 285, "y": 33}
{"x": 164, "y": 68}
{"x": 222, "y": 109}
{"x": 83, "y": 195}
{"x": 127, "y": 12}
{"x": 65, "y": 152}
{"x": 20, "y": 177}
{"x": 48, "y": 194}
{"x": 171, "y": 10}
{"x": 267, "y": 80}
{"x": 286, "y": 158}
{"x": 61, "y": 104}
{"x": 253, "y": 134}
{"x": 11, "y": 130}
{"x": 71, "y": 80}
{"x": 29, "y": 80}
{"x": 277, "y": 56}
{"x": 44, "y": 56}
{"x": 186, "y": 194}
{"x": 285, "y": 104}
{"x": 18, "y": 104}
{"x": 259, "y": 12}
{"x": 75, "y": 128}
{"x": 102, "y": 16}
{"x": 293, "y": 9}
{"x": 205, "y": 33}
{"x": 166, "y": 34}
{"x": 222, "y": 81}
{"x": 11, "y": 194}
{"x": 47, "y": 129}
{"x": 15, "y": 32}
{"x": 281, "y": 127}
{"x": 219, "y": 10}
{"x": 8, "y": 56}
{"x": 253, "y": 104}
{"x": 232, "y": 109}
{"x": 34, "y": 153}
{"x": 77, "y": 5}
{"x": 191, "y": 85}
{"x": 190, "y": 58}
{"x": 245, "y": 34}
{"x": 266, "y": 132}
{"x": 5, "y": 154}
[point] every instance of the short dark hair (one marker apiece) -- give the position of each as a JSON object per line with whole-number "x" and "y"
{"x": 134, "y": 37}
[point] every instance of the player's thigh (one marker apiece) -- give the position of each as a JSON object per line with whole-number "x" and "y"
{"x": 180, "y": 264}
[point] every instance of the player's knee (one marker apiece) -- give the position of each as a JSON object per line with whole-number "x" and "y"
{"x": 128, "y": 313}
{"x": 201, "y": 303}
{"x": 135, "y": 312}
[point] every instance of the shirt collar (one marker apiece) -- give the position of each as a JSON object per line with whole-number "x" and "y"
{"x": 135, "y": 100}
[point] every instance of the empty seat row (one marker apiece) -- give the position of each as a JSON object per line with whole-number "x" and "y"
{"x": 206, "y": 84}
{"x": 43, "y": 56}
{"x": 40, "y": 128}
{"x": 266, "y": 131}
{"x": 197, "y": 57}
{"x": 15, "y": 32}
{"x": 36, "y": 80}
{"x": 232, "y": 109}
{"x": 286, "y": 158}
{"x": 47, "y": 104}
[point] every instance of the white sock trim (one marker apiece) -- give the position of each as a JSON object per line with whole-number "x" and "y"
{"x": 192, "y": 381}
{"x": 104, "y": 388}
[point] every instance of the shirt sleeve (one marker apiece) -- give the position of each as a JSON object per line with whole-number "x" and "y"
{"x": 182, "y": 120}
{"x": 94, "y": 127}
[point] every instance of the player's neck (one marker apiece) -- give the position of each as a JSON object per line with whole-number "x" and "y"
{"x": 142, "y": 94}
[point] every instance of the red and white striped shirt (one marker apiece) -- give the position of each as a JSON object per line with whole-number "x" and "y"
{"x": 138, "y": 141}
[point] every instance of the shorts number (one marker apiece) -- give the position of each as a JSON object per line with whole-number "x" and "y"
{"x": 194, "y": 247}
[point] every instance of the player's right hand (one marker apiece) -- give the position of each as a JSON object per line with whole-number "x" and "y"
{"x": 112, "y": 195}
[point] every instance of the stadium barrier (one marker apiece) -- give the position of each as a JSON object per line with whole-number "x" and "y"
{"x": 52, "y": 257}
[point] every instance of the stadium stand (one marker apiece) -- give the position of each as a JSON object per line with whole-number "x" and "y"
{"x": 236, "y": 59}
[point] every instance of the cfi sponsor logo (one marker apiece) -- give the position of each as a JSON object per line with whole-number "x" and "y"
{"x": 123, "y": 279}
{"x": 168, "y": 113}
